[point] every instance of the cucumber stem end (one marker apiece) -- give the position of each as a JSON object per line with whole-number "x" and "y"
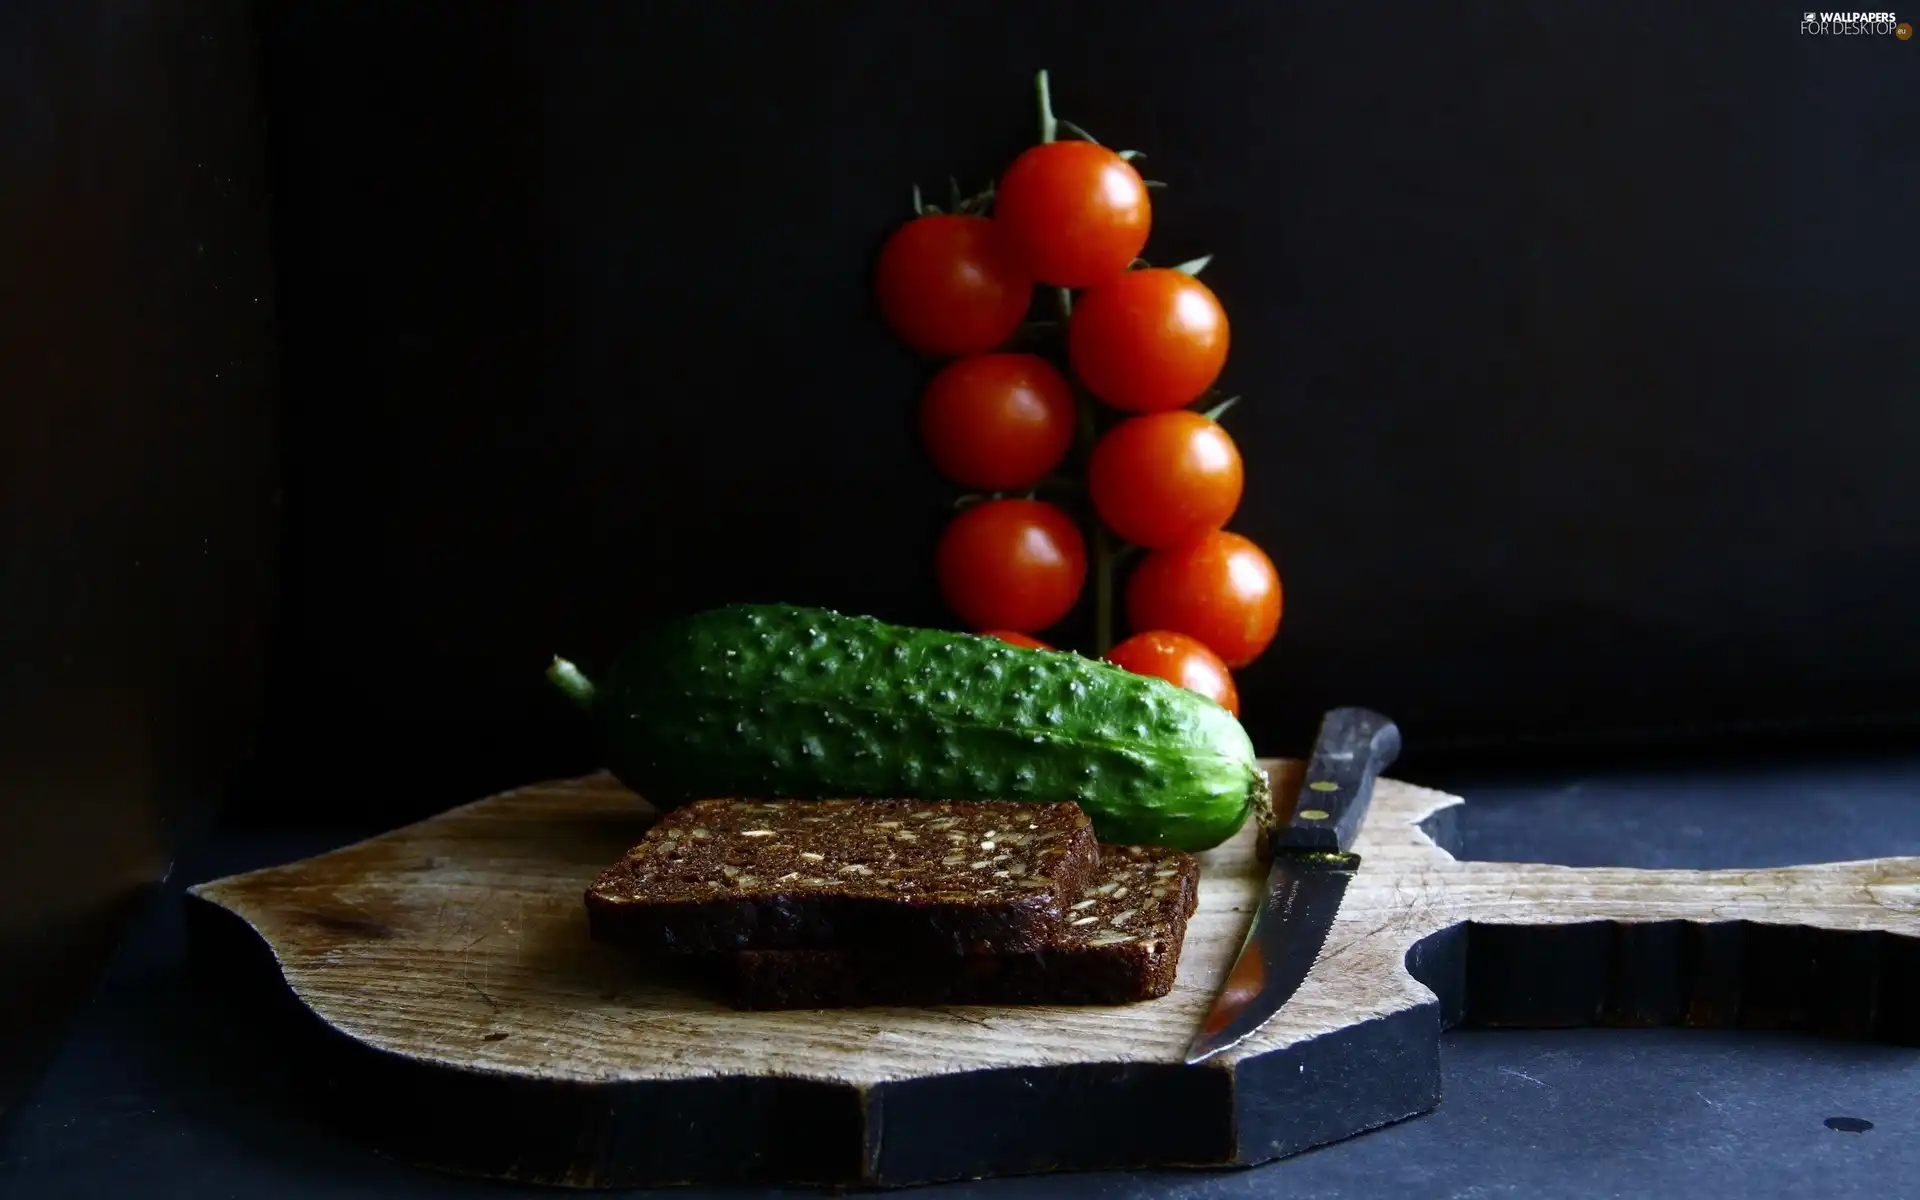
{"x": 1266, "y": 819}
{"x": 571, "y": 680}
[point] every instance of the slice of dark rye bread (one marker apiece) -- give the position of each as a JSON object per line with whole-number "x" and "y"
{"x": 920, "y": 877}
{"x": 1120, "y": 943}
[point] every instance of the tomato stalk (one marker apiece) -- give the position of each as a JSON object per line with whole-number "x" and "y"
{"x": 1102, "y": 590}
{"x": 1103, "y": 547}
{"x": 1049, "y": 125}
{"x": 1103, "y": 556}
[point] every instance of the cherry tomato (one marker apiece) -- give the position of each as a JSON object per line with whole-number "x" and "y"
{"x": 1148, "y": 340}
{"x": 1076, "y": 213}
{"x": 1017, "y": 565}
{"x": 1181, "y": 660}
{"x": 997, "y": 422}
{"x": 1218, "y": 587}
{"x": 1016, "y": 639}
{"x": 949, "y": 286}
{"x": 1165, "y": 477}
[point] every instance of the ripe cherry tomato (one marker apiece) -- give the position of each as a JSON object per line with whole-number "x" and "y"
{"x": 1076, "y": 213}
{"x": 1011, "y": 564}
{"x": 1148, "y": 340}
{"x": 1165, "y": 477}
{"x": 1218, "y": 587}
{"x": 1016, "y": 639}
{"x": 1181, "y": 660}
{"x": 949, "y": 286}
{"x": 997, "y": 422}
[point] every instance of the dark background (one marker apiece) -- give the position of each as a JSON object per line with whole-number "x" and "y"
{"x": 140, "y": 440}
{"x": 1576, "y": 341}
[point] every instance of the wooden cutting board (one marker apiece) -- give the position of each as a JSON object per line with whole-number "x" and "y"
{"x": 451, "y": 1008}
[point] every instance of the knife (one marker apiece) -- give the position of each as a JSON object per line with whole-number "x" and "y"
{"x": 1311, "y": 868}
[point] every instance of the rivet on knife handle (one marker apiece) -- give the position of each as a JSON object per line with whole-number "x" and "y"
{"x": 1354, "y": 746}
{"x": 1308, "y": 878}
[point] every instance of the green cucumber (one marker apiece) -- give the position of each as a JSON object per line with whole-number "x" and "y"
{"x": 804, "y": 703}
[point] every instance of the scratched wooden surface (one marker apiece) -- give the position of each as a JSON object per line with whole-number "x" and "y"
{"x": 462, "y": 940}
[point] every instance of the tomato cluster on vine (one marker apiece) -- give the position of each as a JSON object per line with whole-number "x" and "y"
{"x": 1138, "y": 351}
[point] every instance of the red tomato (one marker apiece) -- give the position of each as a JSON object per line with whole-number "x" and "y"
{"x": 1016, "y": 639}
{"x": 997, "y": 422}
{"x": 1017, "y": 565}
{"x": 948, "y": 286}
{"x": 1165, "y": 477}
{"x": 1181, "y": 660}
{"x": 1076, "y": 213}
{"x": 1148, "y": 340}
{"x": 1218, "y": 587}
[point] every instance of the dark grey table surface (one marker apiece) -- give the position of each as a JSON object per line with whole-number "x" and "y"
{"x": 150, "y": 1096}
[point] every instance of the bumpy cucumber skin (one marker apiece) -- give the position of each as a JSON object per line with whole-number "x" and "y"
{"x": 805, "y": 703}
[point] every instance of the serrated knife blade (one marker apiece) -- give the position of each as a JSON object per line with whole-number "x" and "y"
{"x": 1312, "y": 865}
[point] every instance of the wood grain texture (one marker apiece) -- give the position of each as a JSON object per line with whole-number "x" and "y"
{"x": 463, "y": 1018}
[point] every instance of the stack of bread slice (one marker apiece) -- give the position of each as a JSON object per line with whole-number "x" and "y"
{"x": 844, "y": 903}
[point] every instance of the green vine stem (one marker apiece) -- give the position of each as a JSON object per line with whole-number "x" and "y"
{"x": 1103, "y": 548}
{"x": 1049, "y": 125}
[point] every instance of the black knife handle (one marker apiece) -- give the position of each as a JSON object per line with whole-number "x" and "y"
{"x": 1354, "y": 747}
